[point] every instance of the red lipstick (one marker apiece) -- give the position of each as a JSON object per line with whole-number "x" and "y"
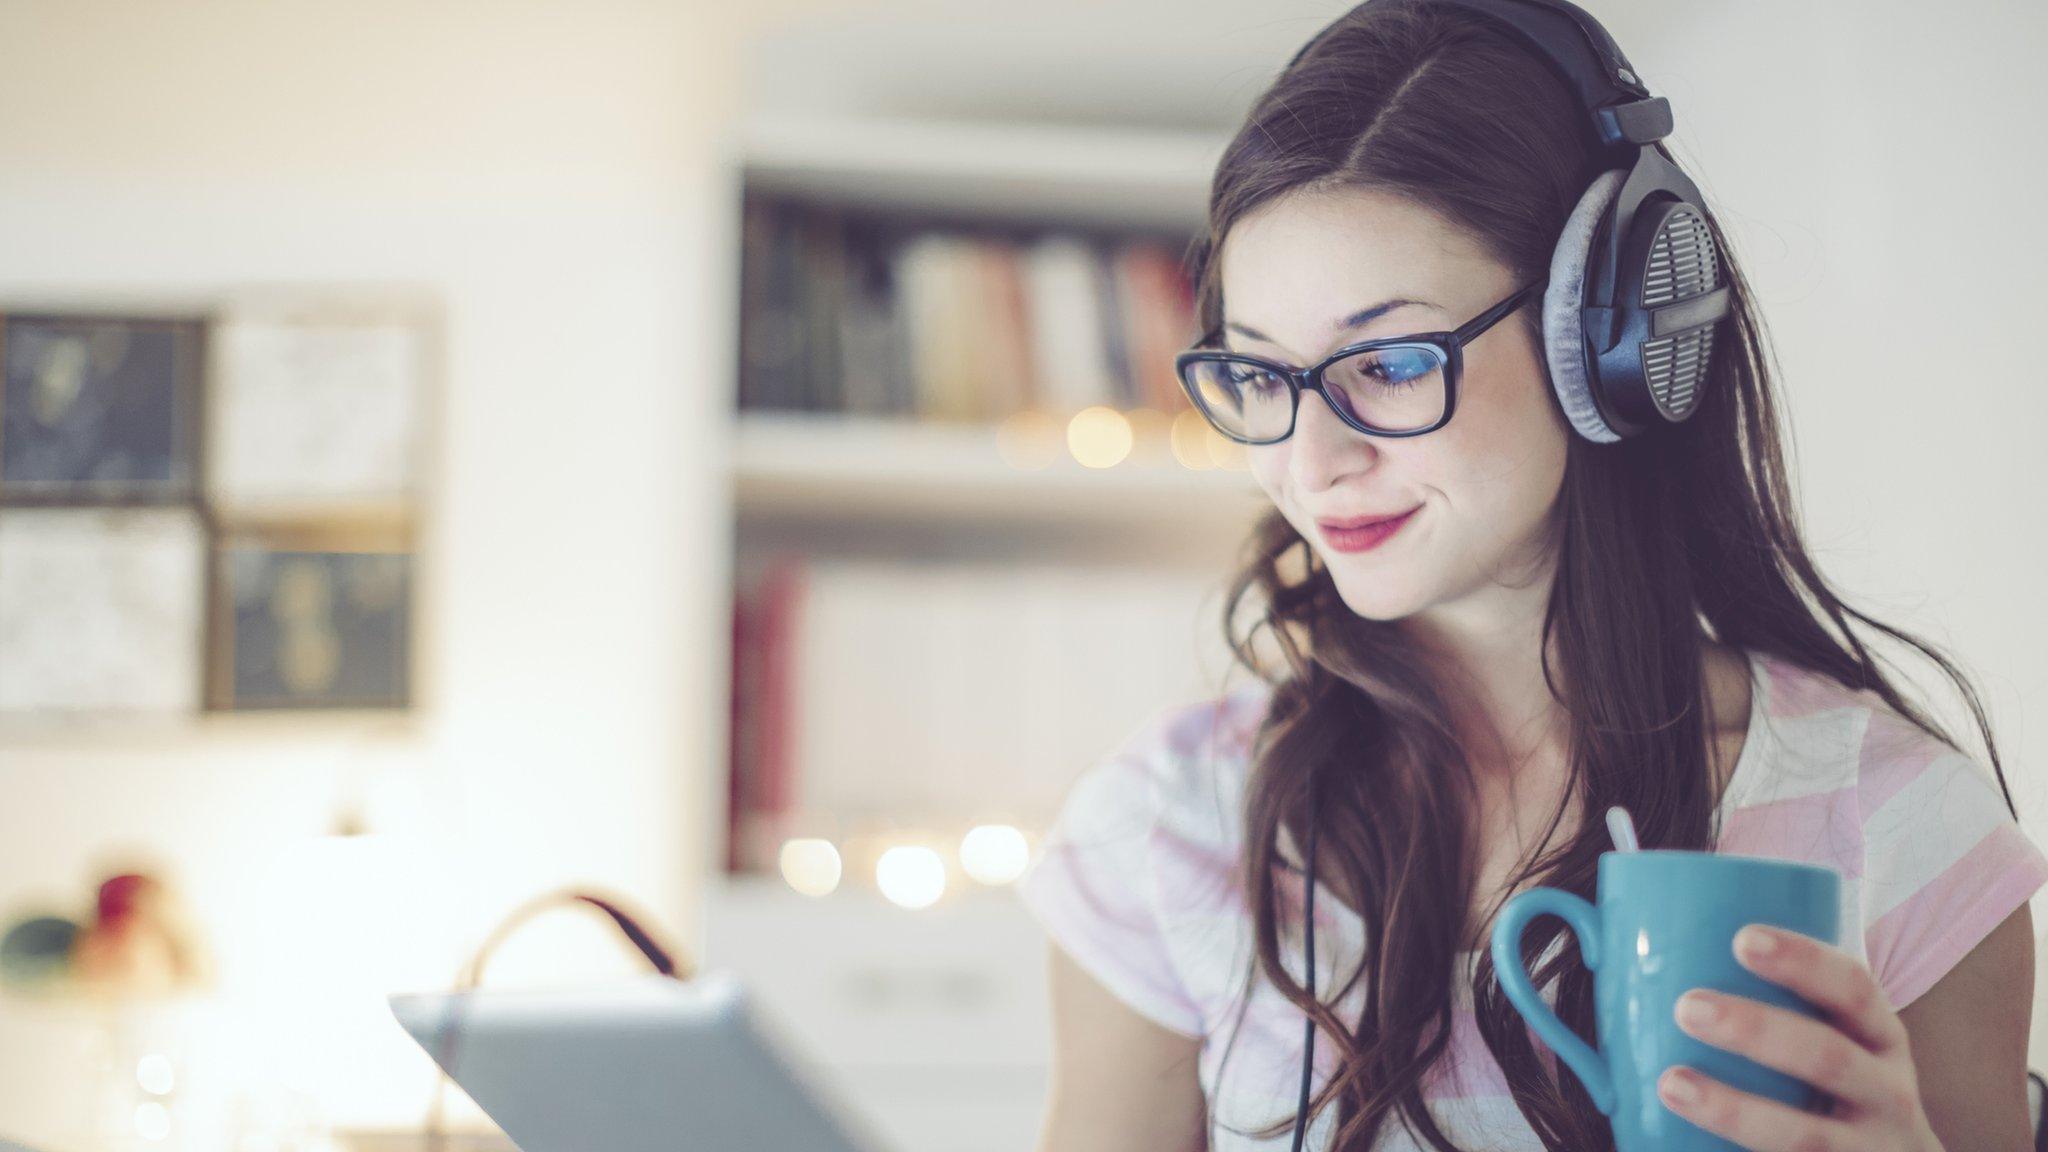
{"x": 1361, "y": 533}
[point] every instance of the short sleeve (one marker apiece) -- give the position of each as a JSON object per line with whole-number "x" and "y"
{"x": 1944, "y": 863}
{"x": 1094, "y": 885}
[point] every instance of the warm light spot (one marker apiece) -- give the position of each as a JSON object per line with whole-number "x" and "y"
{"x": 155, "y": 1074}
{"x": 1151, "y": 434}
{"x": 810, "y": 866}
{"x": 1029, "y": 439}
{"x": 152, "y": 1120}
{"x": 994, "y": 853}
{"x": 1190, "y": 440}
{"x": 1227, "y": 453}
{"x": 1099, "y": 437}
{"x": 911, "y": 876}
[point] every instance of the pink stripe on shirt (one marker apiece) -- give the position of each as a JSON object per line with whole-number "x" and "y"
{"x": 1916, "y": 943}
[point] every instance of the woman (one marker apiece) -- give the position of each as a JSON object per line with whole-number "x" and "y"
{"x": 1555, "y": 626}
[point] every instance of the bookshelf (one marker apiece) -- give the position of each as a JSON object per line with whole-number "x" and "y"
{"x": 931, "y": 1017}
{"x": 787, "y": 464}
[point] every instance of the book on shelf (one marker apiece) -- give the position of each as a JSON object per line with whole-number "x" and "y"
{"x": 845, "y": 312}
{"x": 760, "y": 797}
{"x": 874, "y": 695}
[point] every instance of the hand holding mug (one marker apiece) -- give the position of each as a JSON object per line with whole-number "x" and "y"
{"x": 1856, "y": 1054}
{"x": 1660, "y": 928}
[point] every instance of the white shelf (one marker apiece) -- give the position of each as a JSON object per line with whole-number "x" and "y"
{"x": 841, "y": 466}
{"x": 1150, "y": 177}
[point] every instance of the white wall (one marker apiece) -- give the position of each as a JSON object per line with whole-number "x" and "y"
{"x": 545, "y": 169}
{"x": 1875, "y": 159}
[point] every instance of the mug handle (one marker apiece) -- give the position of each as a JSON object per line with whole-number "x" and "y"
{"x": 1515, "y": 915}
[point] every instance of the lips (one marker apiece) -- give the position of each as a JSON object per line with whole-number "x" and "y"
{"x": 1356, "y": 522}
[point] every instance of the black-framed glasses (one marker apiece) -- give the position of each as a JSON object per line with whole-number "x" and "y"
{"x": 1396, "y": 386}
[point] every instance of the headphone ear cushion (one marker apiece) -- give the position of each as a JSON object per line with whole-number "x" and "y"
{"x": 1564, "y": 341}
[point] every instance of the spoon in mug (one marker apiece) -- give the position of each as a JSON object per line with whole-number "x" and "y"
{"x": 1622, "y": 829}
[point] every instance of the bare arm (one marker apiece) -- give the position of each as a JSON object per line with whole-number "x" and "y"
{"x": 1968, "y": 1036}
{"x": 1119, "y": 1080}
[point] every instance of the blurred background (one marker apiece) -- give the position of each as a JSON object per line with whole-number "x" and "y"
{"x": 727, "y": 457}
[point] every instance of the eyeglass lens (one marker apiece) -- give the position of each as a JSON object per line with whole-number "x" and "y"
{"x": 1398, "y": 389}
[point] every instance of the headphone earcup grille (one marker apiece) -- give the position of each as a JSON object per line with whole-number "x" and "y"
{"x": 1682, "y": 265}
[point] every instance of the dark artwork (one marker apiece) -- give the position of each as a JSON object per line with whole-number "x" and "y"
{"x": 98, "y": 409}
{"x": 316, "y": 629}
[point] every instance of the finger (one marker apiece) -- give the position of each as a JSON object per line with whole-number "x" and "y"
{"x": 1829, "y": 977}
{"x": 1751, "y": 1121}
{"x": 1774, "y": 1037}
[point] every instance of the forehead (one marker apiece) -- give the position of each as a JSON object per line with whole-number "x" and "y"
{"x": 1296, "y": 266}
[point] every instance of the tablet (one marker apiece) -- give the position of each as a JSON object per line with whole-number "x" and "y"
{"x": 640, "y": 1064}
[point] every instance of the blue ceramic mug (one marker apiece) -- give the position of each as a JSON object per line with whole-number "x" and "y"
{"x": 1665, "y": 923}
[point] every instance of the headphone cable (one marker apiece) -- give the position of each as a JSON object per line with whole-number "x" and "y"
{"x": 1308, "y": 1031}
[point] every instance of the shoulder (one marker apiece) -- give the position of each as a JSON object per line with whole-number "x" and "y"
{"x": 1215, "y": 731}
{"x": 1835, "y": 769}
{"x": 1137, "y": 872}
{"x": 1888, "y": 759}
{"x": 1824, "y": 738}
{"x": 1943, "y": 861}
{"x": 1931, "y": 855}
{"x": 1176, "y": 781}
{"x": 1195, "y": 754}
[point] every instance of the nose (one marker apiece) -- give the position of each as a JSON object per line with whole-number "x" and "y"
{"x": 1324, "y": 449}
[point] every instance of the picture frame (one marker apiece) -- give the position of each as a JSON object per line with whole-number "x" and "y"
{"x": 100, "y": 409}
{"x": 311, "y": 616}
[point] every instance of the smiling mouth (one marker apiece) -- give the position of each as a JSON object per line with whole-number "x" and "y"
{"x": 1368, "y": 537}
{"x": 1357, "y": 522}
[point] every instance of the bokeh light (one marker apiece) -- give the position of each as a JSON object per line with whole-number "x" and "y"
{"x": 994, "y": 853}
{"x": 812, "y": 867}
{"x": 1099, "y": 436}
{"x": 911, "y": 876}
{"x": 155, "y": 1074}
{"x": 152, "y": 1121}
{"x": 1227, "y": 453}
{"x": 1190, "y": 440}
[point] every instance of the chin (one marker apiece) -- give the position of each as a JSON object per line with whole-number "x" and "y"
{"x": 1372, "y": 595}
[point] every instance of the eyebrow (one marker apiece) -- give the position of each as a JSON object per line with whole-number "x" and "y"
{"x": 1356, "y": 319}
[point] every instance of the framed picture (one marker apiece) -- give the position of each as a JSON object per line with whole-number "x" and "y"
{"x": 308, "y": 618}
{"x": 315, "y": 411}
{"x": 212, "y": 502}
{"x": 99, "y": 409}
{"x": 101, "y": 610}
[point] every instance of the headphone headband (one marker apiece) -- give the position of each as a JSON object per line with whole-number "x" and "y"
{"x": 1574, "y": 45}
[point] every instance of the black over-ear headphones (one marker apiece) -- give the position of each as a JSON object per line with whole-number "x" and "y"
{"x": 1635, "y": 290}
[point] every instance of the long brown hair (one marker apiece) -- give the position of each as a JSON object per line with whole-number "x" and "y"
{"x": 1661, "y": 541}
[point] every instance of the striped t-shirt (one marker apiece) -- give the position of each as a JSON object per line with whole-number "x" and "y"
{"x": 1138, "y": 881}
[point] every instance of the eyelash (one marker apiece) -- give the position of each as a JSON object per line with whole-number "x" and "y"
{"x": 1397, "y": 386}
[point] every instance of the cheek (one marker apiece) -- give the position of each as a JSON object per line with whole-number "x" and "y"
{"x": 1505, "y": 449}
{"x": 1269, "y": 465}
